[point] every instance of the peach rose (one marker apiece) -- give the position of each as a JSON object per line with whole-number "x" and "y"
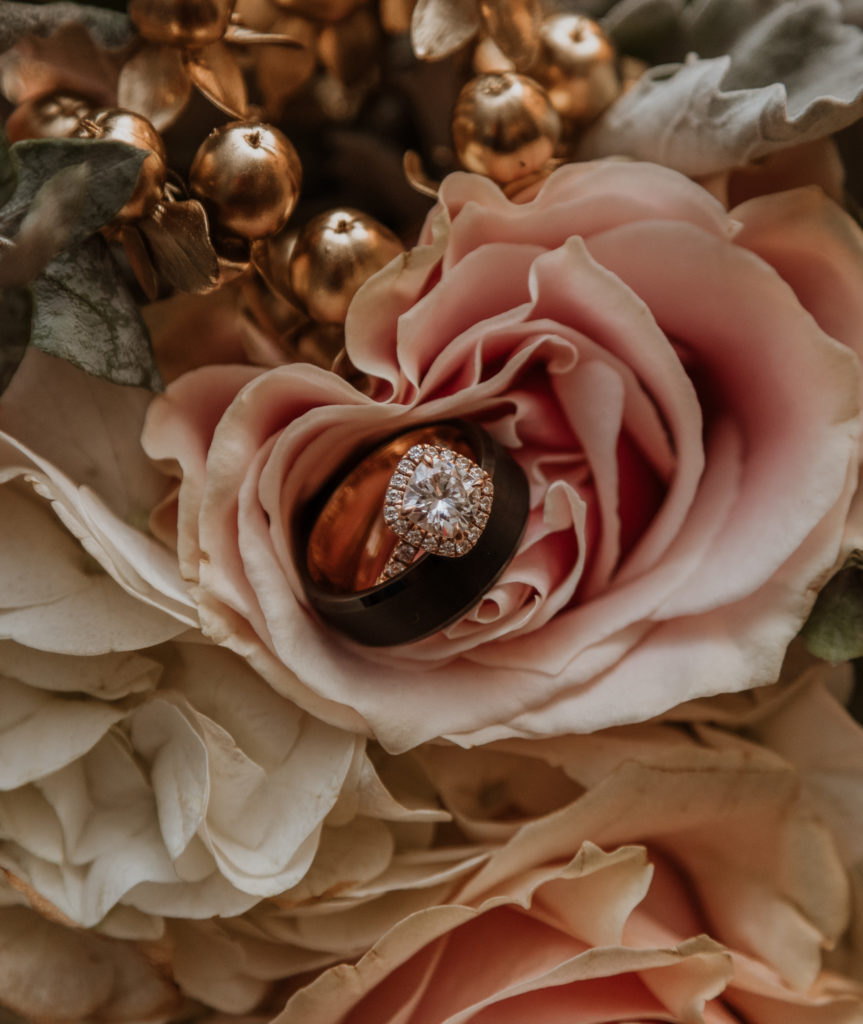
{"x": 689, "y": 882}
{"x": 688, "y": 422}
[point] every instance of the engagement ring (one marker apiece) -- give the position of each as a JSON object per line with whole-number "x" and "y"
{"x": 411, "y": 538}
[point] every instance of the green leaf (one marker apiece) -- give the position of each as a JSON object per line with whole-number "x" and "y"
{"x": 834, "y": 629}
{"x": 15, "y": 312}
{"x": 84, "y": 313}
{"x": 112, "y": 173}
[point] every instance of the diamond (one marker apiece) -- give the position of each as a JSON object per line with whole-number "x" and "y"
{"x": 441, "y": 496}
{"x": 404, "y": 552}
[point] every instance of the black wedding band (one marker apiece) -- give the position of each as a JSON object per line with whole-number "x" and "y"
{"x": 344, "y": 543}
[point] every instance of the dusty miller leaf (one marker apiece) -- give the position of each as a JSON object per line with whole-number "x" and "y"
{"x": 84, "y": 313}
{"x": 834, "y": 629}
{"x": 792, "y": 73}
{"x": 112, "y": 173}
{"x": 46, "y": 229}
{"x": 21, "y": 19}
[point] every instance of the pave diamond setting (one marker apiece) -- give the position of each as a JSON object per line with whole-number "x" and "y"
{"x": 436, "y": 501}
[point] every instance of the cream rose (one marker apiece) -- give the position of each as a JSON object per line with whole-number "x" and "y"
{"x": 688, "y": 427}
{"x": 176, "y": 783}
{"x": 144, "y": 771}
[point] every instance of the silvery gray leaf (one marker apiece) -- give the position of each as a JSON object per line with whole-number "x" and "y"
{"x": 794, "y": 76}
{"x": 112, "y": 173}
{"x": 853, "y": 12}
{"x": 47, "y": 228}
{"x": 110, "y": 28}
{"x": 84, "y": 313}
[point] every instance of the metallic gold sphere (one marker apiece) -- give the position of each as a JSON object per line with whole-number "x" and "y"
{"x": 248, "y": 176}
{"x": 504, "y": 126}
{"x": 577, "y": 65}
{"x": 126, "y": 126}
{"x": 334, "y": 254}
{"x": 181, "y": 22}
{"x": 55, "y": 116}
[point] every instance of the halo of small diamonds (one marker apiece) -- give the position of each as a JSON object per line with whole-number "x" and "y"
{"x": 436, "y": 501}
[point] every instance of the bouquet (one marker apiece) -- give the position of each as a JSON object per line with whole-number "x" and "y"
{"x": 432, "y": 541}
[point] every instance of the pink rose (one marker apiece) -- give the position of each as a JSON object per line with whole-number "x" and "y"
{"x": 688, "y": 427}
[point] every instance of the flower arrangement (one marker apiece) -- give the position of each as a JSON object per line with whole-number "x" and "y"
{"x": 431, "y": 580}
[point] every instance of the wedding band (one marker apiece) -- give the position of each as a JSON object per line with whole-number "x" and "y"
{"x": 411, "y": 538}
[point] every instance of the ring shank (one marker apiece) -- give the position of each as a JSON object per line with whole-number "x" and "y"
{"x": 349, "y": 543}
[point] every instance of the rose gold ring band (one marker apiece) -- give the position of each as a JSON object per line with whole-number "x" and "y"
{"x": 345, "y": 544}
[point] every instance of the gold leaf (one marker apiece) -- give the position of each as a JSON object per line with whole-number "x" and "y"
{"x": 179, "y": 240}
{"x": 440, "y": 27}
{"x": 239, "y": 34}
{"x": 271, "y": 258}
{"x": 155, "y": 84}
{"x": 416, "y": 176}
{"x": 514, "y": 25}
{"x": 215, "y": 72}
{"x": 281, "y": 74}
{"x": 348, "y": 48}
{"x": 135, "y": 249}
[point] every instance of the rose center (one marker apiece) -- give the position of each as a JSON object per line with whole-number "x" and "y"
{"x": 441, "y": 497}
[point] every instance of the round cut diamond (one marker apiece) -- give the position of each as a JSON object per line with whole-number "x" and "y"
{"x": 441, "y": 497}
